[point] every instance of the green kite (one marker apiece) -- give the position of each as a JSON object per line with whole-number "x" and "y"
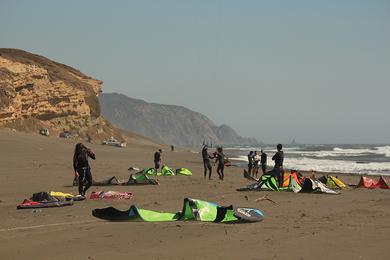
{"x": 193, "y": 209}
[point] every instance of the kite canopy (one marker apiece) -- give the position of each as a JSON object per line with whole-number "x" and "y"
{"x": 371, "y": 184}
{"x": 269, "y": 182}
{"x": 293, "y": 174}
{"x": 66, "y": 196}
{"x": 149, "y": 171}
{"x": 266, "y": 182}
{"x": 166, "y": 171}
{"x": 141, "y": 179}
{"x": 333, "y": 182}
{"x": 183, "y": 171}
{"x": 293, "y": 185}
{"x": 314, "y": 186}
{"x": 111, "y": 195}
{"x": 193, "y": 209}
{"x": 44, "y": 200}
{"x": 136, "y": 179}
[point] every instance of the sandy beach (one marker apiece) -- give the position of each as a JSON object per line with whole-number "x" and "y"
{"x": 352, "y": 225}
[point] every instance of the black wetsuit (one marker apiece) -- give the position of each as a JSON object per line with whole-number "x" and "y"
{"x": 206, "y": 162}
{"x": 220, "y": 165}
{"x": 157, "y": 160}
{"x": 278, "y": 168}
{"x": 263, "y": 162}
{"x": 250, "y": 163}
{"x": 81, "y": 165}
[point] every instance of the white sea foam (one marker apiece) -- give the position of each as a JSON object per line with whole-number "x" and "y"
{"x": 336, "y": 152}
{"x": 383, "y": 150}
{"x": 324, "y": 165}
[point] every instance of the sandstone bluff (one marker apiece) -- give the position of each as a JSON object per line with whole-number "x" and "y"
{"x": 36, "y": 92}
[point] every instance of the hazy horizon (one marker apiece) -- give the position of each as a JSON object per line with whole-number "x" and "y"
{"x": 316, "y": 72}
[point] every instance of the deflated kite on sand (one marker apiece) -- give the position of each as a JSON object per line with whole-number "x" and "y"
{"x": 122, "y": 195}
{"x": 332, "y": 182}
{"x": 314, "y": 186}
{"x": 48, "y": 200}
{"x": 134, "y": 179}
{"x": 193, "y": 209}
{"x": 166, "y": 171}
{"x": 269, "y": 183}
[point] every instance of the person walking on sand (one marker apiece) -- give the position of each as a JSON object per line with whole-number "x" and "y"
{"x": 157, "y": 159}
{"x": 81, "y": 167}
{"x": 256, "y": 164}
{"x": 220, "y": 160}
{"x": 278, "y": 167}
{"x": 206, "y": 162}
{"x": 250, "y": 162}
{"x": 263, "y": 161}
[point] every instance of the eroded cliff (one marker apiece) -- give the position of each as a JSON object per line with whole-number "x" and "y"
{"x": 36, "y": 92}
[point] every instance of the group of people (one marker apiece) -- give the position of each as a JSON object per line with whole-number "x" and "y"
{"x": 219, "y": 157}
{"x": 82, "y": 169}
{"x": 255, "y": 160}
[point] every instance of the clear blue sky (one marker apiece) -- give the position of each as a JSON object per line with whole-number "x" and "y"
{"x": 316, "y": 71}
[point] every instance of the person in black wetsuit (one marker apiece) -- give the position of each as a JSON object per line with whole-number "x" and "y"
{"x": 206, "y": 162}
{"x": 81, "y": 167}
{"x": 263, "y": 161}
{"x": 157, "y": 159}
{"x": 278, "y": 168}
{"x": 250, "y": 162}
{"x": 220, "y": 160}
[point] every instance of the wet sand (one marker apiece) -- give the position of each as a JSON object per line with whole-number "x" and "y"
{"x": 353, "y": 225}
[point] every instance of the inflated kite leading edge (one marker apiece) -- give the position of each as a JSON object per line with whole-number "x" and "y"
{"x": 193, "y": 209}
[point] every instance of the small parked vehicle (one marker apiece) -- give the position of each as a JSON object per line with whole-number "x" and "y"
{"x": 113, "y": 142}
{"x": 44, "y": 131}
{"x": 67, "y": 134}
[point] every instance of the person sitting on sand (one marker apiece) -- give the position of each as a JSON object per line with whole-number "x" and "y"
{"x": 278, "y": 167}
{"x": 81, "y": 167}
{"x": 206, "y": 162}
{"x": 313, "y": 175}
{"x": 157, "y": 159}
{"x": 220, "y": 160}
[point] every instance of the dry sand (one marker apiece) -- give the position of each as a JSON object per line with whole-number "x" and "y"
{"x": 353, "y": 225}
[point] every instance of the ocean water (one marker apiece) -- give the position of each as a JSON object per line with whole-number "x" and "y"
{"x": 356, "y": 159}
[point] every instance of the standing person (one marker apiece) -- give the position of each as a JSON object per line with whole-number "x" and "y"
{"x": 81, "y": 167}
{"x": 220, "y": 160}
{"x": 157, "y": 159}
{"x": 206, "y": 162}
{"x": 172, "y": 148}
{"x": 256, "y": 162}
{"x": 250, "y": 162}
{"x": 263, "y": 161}
{"x": 278, "y": 168}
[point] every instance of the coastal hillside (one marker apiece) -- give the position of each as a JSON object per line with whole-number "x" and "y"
{"x": 36, "y": 92}
{"x": 166, "y": 123}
